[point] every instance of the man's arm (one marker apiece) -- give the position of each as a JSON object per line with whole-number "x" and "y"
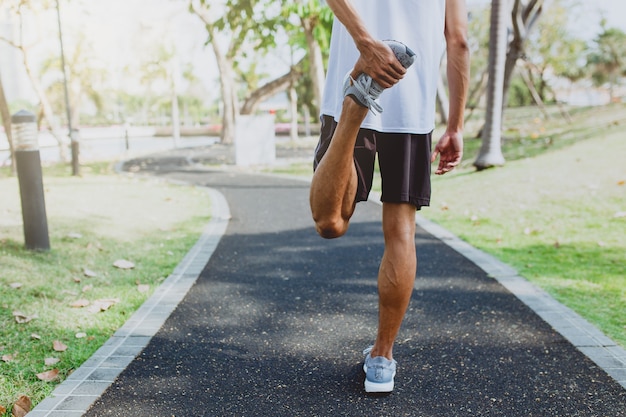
{"x": 450, "y": 146}
{"x": 377, "y": 60}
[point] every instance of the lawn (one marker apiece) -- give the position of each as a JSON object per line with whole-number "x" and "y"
{"x": 60, "y": 306}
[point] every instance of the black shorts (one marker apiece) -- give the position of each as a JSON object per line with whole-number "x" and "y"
{"x": 403, "y": 159}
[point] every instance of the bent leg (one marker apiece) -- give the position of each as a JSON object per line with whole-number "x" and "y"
{"x": 334, "y": 185}
{"x": 396, "y": 275}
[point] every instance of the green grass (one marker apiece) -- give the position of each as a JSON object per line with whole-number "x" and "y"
{"x": 553, "y": 211}
{"x": 93, "y": 221}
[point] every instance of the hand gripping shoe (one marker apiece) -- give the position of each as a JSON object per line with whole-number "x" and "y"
{"x": 364, "y": 90}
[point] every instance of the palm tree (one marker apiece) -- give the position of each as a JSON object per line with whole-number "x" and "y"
{"x": 490, "y": 154}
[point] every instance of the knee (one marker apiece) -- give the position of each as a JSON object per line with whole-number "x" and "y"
{"x": 331, "y": 228}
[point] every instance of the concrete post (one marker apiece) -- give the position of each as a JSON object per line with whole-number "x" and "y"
{"x": 28, "y": 164}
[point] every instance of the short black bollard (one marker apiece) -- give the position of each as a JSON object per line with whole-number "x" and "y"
{"x": 28, "y": 164}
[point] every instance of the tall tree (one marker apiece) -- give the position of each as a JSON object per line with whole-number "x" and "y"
{"x": 19, "y": 8}
{"x": 311, "y": 33}
{"x": 245, "y": 27}
{"x": 490, "y": 153}
{"x": 85, "y": 83}
{"x": 524, "y": 16}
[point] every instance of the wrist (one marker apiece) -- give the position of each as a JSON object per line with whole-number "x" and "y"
{"x": 364, "y": 42}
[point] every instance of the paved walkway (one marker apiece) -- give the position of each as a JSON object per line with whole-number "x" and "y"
{"x": 264, "y": 318}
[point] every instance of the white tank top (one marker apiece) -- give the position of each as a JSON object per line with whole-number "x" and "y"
{"x": 410, "y": 105}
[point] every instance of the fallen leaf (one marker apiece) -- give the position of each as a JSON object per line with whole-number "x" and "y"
{"x": 123, "y": 264}
{"x": 80, "y": 303}
{"x": 102, "y": 305}
{"x": 143, "y": 288}
{"x": 601, "y": 243}
{"x": 16, "y": 285}
{"x": 77, "y": 280}
{"x": 48, "y": 376}
{"x": 22, "y": 318}
{"x": 89, "y": 273}
{"x": 97, "y": 245}
{"x": 35, "y": 336}
{"x": 621, "y": 182}
{"x": 68, "y": 292}
{"x": 21, "y": 407}
{"x": 7, "y": 358}
{"x": 59, "y": 346}
{"x": 81, "y": 335}
{"x": 51, "y": 361}
{"x": 620, "y": 214}
{"x": 74, "y": 235}
{"x": 2, "y": 410}
{"x": 557, "y": 244}
{"x": 87, "y": 288}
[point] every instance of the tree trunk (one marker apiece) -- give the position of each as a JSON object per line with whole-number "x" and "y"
{"x": 175, "y": 109}
{"x": 293, "y": 101}
{"x": 533, "y": 92}
{"x": 524, "y": 17}
{"x": 6, "y": 122}
{"x": 316, "y": 62}
{"x": 228, "y": 90}
{"x": 46, "y": 108}
{"x": 491, "y": 149}
{"x": 272, "y": 88}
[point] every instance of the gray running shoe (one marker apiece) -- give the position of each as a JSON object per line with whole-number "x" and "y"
{"x": 365, "y": 90}
{"x": 379, "y": 372}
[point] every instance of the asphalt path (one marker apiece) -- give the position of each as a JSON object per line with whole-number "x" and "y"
{"x": 276, "y": 323}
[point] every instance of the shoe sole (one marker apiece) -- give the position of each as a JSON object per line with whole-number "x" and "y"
{"x": 372, "y": 387}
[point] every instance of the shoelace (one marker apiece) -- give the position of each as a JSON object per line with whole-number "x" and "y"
{"x": 365, "y": 91}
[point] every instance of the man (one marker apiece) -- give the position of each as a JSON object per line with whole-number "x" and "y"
{"x": 357, "y": 124}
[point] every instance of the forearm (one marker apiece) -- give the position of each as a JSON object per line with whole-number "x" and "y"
{"x": 348, "y": 16}
{"x": 458, "y": 62}
{"x": 458, "y": 80}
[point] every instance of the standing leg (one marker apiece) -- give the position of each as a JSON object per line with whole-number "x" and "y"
{"x": 396, "y": 276}
{"x": 334, "y": 184}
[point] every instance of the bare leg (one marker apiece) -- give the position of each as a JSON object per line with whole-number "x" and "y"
{"x": 334, "y": 184}
{"x": 396, "y": 276}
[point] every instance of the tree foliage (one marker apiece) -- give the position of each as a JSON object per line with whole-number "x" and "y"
{"x": 608, "y": 57}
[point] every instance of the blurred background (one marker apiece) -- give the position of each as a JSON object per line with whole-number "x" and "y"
{"x": 154, "y": 74}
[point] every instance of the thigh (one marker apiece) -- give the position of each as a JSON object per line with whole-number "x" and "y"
{"x": 404, "y": 161}
{"x": 364, "y": 154}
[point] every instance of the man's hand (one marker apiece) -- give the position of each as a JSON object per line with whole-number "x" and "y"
{"x": 450, "y": 151}
{"x": 379, "y": 62}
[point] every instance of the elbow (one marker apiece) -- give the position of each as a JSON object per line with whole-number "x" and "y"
{"x": 458, "y": 42}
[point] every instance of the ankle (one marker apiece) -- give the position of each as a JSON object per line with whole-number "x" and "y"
{"x": 386, "y": 353}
